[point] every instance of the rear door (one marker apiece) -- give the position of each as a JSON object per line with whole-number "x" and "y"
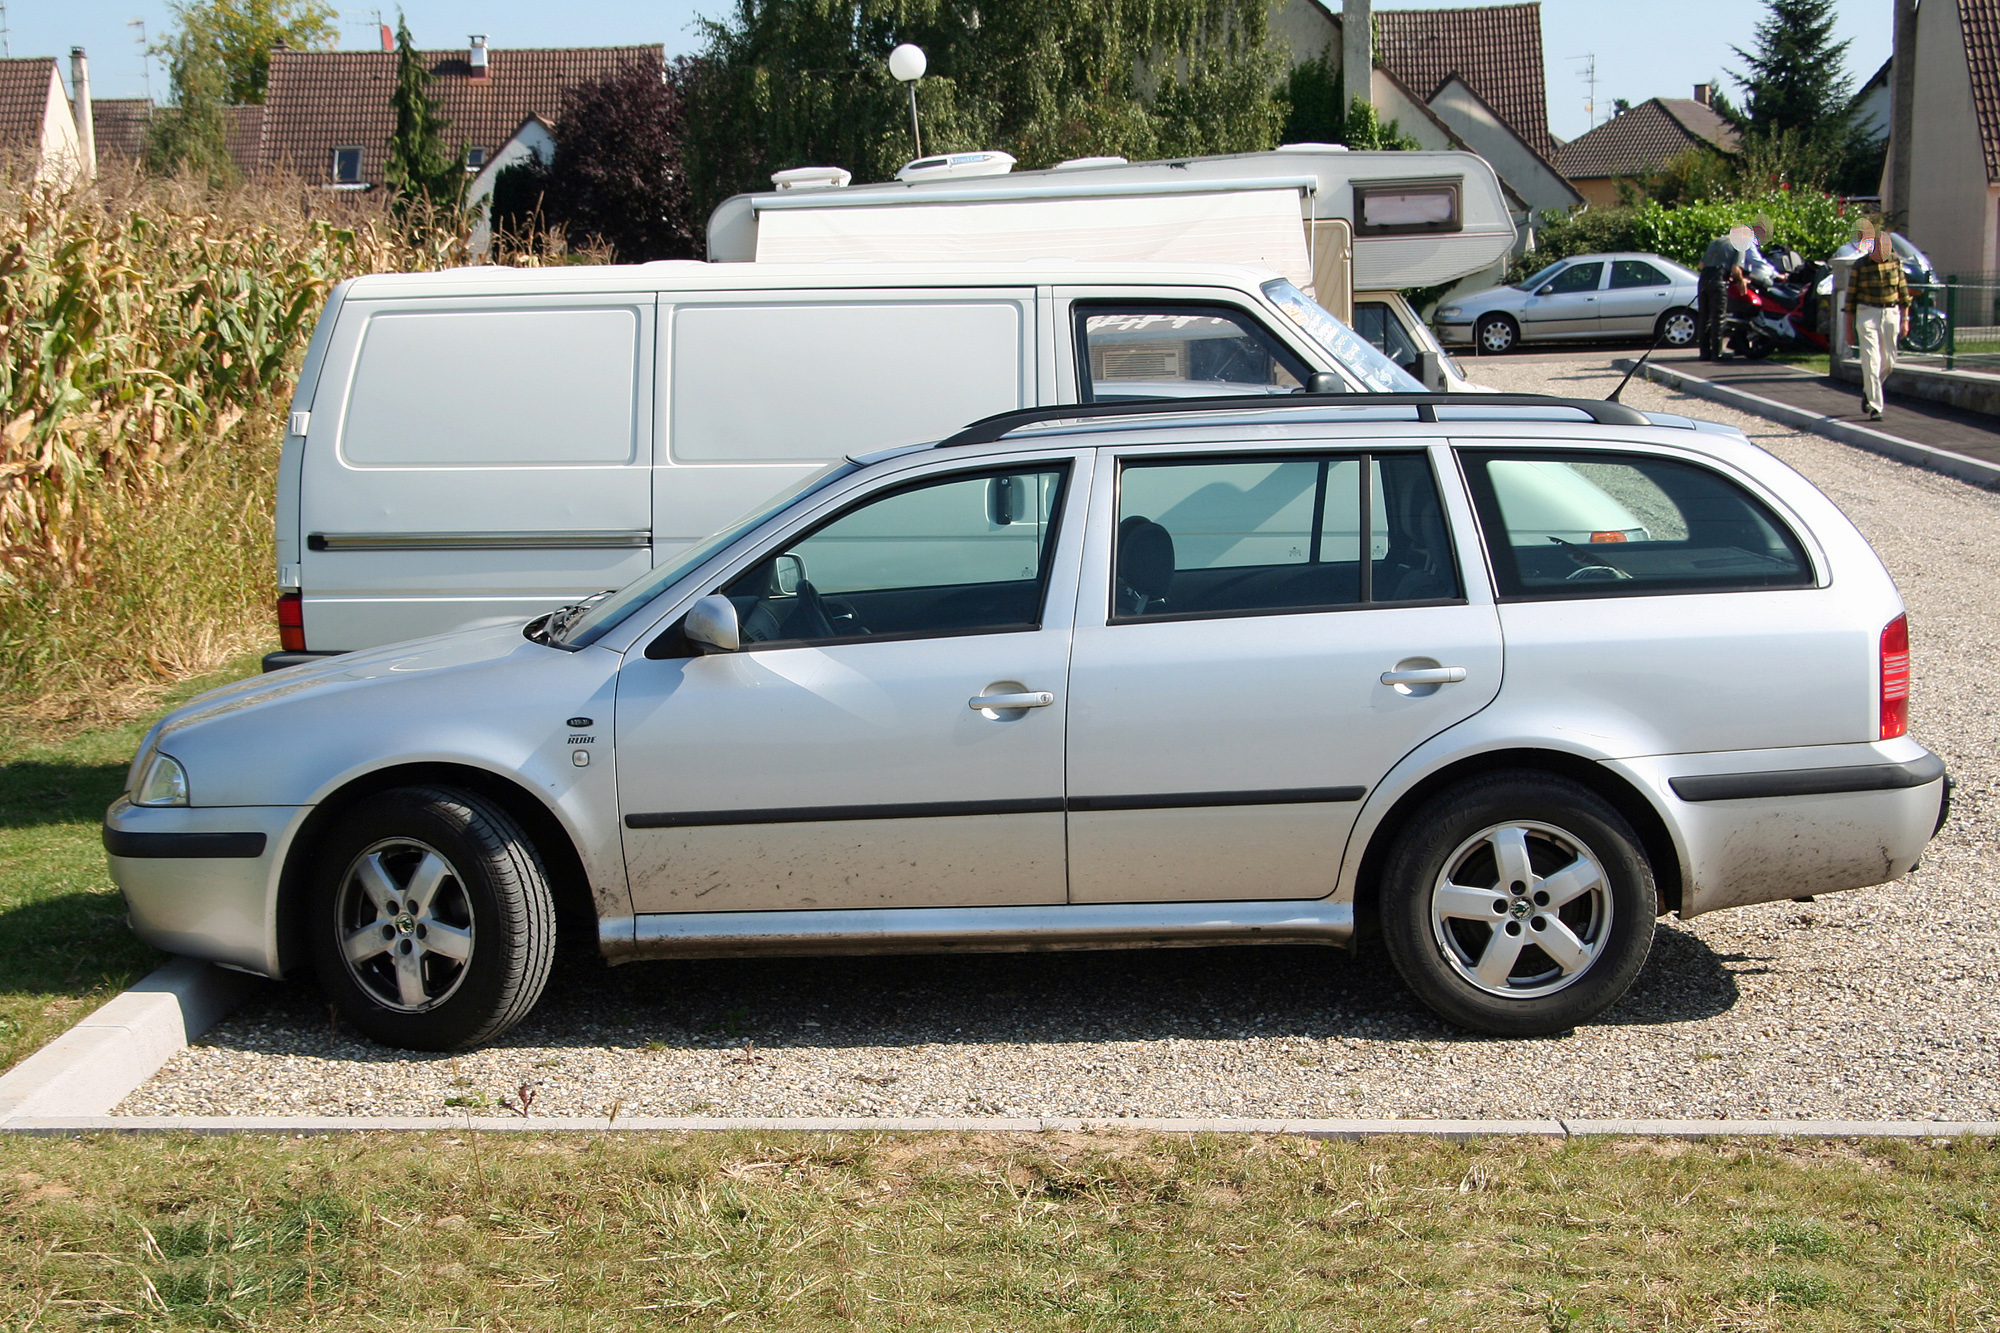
{"x": 474, "y": 460}
{"x": 1237, "y": 614}
{"x": 1566, "y": 306}
{"x": 1637, "y": 295}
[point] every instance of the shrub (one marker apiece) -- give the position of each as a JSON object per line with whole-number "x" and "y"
{"x": 1814, "y": 224}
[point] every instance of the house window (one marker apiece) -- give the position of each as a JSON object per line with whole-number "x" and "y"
{"x": 347, "y": 166}
{"x": 475, "y": 158}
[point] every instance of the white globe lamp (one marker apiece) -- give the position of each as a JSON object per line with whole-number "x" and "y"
{"x": 907, "y": 64}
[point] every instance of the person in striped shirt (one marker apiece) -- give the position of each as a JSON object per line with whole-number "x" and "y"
{"x": 1878, "y": 313}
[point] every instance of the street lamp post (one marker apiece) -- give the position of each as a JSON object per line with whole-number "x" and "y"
{"x": 907, "y": 64}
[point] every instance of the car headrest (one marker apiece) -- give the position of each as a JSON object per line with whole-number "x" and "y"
{"x": 1145, "y": 557}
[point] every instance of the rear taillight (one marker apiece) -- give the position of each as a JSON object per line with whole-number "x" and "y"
{"x": 291, "y": 623}
{"x": 1896, "y": 678}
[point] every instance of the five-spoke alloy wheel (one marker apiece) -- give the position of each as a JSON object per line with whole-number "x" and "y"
{"x": 1518, "y": 904}
{"x": 432, "y": 923}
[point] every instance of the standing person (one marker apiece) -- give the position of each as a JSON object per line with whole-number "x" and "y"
{"x": 1878, "y": 313}
{"x": 1720, "y": 260}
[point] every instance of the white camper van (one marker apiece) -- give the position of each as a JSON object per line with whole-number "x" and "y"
{"x": 483, "y": 445}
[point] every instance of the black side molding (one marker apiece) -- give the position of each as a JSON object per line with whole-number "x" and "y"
{"x": 184, "y": 846}
{"x": 1809, "y": 781}
{"x": 815, "y": 814}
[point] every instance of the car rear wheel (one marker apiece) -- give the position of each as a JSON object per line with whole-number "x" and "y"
{"x": 1518, "y": 904}
{"x": 1677, "y": 328}
{"x": 1495, "y": 334}
{"x": 433, "y": 926}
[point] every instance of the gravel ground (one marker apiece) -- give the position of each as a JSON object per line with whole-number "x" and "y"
{"x": 1867, "y": 1004}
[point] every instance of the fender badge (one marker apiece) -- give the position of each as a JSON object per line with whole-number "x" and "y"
{"x": 576, "y": 722}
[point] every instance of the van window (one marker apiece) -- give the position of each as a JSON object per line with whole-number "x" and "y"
{"x": 1374, "y": 321}
{"x": 1208, "y": 537}
{"x": 473, "y": 388}
{"x": 796, "y": 382}
{"x": 1565, "y": 524}
{"x": 1178, "y": 351}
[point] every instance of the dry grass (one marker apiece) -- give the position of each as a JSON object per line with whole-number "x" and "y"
{"x": 967, "y": 1232}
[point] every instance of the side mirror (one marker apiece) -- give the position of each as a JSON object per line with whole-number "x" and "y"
{"x": 1548, "y": 288}
{"x": 711, "y": 625}
{"x": 1430, "y": 369}
{"x": 1324, "y": 381}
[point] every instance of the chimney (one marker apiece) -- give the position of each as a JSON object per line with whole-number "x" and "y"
{"x": 1357, "y": 51}
{"x": 476, "y": 55}
{"x": 1704, "y": 93}
{"x": 79, "y": 107}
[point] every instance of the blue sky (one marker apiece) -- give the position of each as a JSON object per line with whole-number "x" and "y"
{"x": 1644, "y": 48}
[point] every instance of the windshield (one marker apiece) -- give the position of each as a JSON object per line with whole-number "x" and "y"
{"x": 606, "y": 615}
{"x": 1353, "y": 352}
{"x": 1529, "y": 284}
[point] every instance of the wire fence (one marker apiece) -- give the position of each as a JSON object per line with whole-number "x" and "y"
{"x": 1955, "y": 324}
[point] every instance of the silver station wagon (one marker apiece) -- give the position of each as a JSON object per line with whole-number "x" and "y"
{"x": 1497, "y": 680}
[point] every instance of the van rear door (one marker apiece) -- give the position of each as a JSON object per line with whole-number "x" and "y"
{"x": 474, "y": 460}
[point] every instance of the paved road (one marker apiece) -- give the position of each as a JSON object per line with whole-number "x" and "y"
{"x": 1874, "y": 1003}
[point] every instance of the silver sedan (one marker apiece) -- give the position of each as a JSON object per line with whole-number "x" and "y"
{"x": 1585, "y": 296}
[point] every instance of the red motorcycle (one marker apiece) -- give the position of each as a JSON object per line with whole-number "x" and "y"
{"x": 1763, "y": 318}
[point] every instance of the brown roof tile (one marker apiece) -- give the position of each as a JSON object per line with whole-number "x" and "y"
{"x": 1495, "y": 49}
{"x": 243, "y": 133}
{"x": 321, "y": 100}
{"x": 24, "y": 101}
{"x": 121, "y": 125}
{"x": 1644, "y": 139}
{"x": 1979, "y": 22}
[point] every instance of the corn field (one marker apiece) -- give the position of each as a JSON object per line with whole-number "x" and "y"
{"x": 151, "y": 330}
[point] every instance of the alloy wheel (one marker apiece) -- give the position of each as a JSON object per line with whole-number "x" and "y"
{"x": 1680, "y": 329}
{"x": 405, "y": 925}
{"x": 1522, "y": 910}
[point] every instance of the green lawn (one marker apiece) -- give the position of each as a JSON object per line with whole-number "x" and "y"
{"x": 64, "y": 948}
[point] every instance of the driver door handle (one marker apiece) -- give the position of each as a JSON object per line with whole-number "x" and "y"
{"x": 1031, "y": 699}
{"x": 1425, "y": 676}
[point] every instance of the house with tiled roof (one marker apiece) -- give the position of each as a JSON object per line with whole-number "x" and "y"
{"x": 1634, "y": 146}
{"x": 327, "y": 115}
{"x": 37, "y": 133}
{"x": 1952, "y": 208}
{"x": 123, "y": 125}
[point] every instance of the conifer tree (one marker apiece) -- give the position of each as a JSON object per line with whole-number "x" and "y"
{"x": 420, "y": 166}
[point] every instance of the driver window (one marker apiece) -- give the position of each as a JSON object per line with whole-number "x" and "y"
{"x": 1373, "y": 321}
{"x": 1577, "y": 278}
{"x": 1178, "y": 351}
{"x": 964, "y": 555}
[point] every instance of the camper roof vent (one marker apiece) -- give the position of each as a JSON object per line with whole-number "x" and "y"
{"x": 1312, "y": 147}
{"x": 957, "y": 164}
{"x": 1090, "y": 162}
{"x": 812, "y": 178}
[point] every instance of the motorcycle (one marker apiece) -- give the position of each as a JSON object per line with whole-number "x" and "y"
{"x": 1766, "y": 317}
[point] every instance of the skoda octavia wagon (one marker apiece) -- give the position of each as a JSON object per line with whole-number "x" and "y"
{"x": 1497, "y": 680}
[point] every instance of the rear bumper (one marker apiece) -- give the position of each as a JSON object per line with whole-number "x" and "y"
{"x": 202, "y": 881}
{"x": 1764, "y": 826}
{"x": 279, "y": 661}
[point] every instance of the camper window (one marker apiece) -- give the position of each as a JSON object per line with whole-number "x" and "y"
{"x": 1394, "y": 208}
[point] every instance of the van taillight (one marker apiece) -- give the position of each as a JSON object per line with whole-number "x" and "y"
{"x": 292, "y": 623}
{"x": 1896, "y": 678}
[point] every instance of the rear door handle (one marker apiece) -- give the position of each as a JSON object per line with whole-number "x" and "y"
{"x": 1030, "y": 699}
{"x": 1425, "y": 676}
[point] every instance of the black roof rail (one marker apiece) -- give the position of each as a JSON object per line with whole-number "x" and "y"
{"x": 986, "y": 430}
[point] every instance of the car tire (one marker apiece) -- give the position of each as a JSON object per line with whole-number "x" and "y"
{"x": 1495, "y": 334}
{"x": 432, "y": 922}
{"x": 1473, "y": 932}
{"x": 1677, "y": 328}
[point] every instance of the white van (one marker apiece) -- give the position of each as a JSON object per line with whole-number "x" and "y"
{"x": 482, "y": 445}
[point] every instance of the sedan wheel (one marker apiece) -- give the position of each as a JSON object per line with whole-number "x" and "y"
{"x": 1496, "y": 333}
{"x": 1518, "y": 904}
{"x": 432, "y": 922}
{"x": 1678, "y": 328}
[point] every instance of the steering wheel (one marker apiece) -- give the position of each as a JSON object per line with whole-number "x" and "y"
{"x": 1595, "y": 574}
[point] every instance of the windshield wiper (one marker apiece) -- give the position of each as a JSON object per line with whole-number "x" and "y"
{"x": 563, "y": 617}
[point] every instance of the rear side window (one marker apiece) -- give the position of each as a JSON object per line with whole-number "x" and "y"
{"x": 473, "y": 388}
{"x": 1568, "y": 524}
{"x": 1299, "y": 533}
{"x": 1636, "y": 273}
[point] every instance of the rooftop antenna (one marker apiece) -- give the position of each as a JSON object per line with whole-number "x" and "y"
{"x": 6, "y": 44}
{"x": 145, "y": 56}
{"x": 1589, "y": 75}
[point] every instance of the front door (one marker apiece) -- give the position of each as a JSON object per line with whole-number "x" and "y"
{"x": 1228, "y": 710}
{"x": 1566, "y": 306}
{"x": 890, "y": 734}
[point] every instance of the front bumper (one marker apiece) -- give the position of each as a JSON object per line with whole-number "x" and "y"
{"x": 203, "y": 882}
{"x": 1453, "y": 334}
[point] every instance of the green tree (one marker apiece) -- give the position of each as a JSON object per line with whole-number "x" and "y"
{"x": 782, "y": 83}
{"x": 189, "y": 135}
{"x": 1797, "y": 118}
{"x": 421, "y": 169}
{"x": 242, "y": 33}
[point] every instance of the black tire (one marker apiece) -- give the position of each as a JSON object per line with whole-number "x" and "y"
{"x": 1495, "y": 335}
{"x": 1757, "y": 346}
{"x": 1679, "y": 327}
{"x": 1927, "y": 330}
{"x": 451, "y": 897}
{"x": 1445, "y": 872}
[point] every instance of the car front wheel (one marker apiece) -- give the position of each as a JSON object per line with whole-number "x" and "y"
{"x": 1495, "y": 334}
{"x": 1677, "y": 328}
{"x": 432, "y": 925}
{"x": 1518, "y": 904}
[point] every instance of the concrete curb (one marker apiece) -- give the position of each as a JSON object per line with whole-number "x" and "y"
{"x": 90, "y": 1068}
{"x": 1318, "y": 1129}
{"x": 1965, "y": 468}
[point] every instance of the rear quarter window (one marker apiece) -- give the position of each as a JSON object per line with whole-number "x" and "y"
{"x": 1565, "y": 523}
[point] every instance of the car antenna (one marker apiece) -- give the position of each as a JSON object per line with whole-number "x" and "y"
{"x": 1613, "y": 396}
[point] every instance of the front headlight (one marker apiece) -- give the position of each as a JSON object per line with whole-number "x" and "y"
{"x": 1451, "y": 312}
{"x": 164, "y": 782}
